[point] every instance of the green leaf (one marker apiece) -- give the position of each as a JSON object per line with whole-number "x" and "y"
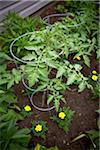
{"x": 30, "y": 48}
{"x": 29, "y": 57}
{"x": 98, "y": 111}
{"x": 1, "y": 91}
{"x": 8, "y": 97}
{"x": 81, "y": 86}
{"x": 77, "y": 67}
{"x": 51, "y": 63}
{"x": 2, "y": 110}
{"x": 3, "y": 124}
{"x": 43, "y": 72}
{"x": 60, "y": 72}
{"x": 3, "y": 81}
{"x": 53, "y": 53}
{"x": 4, "y": 56}
{"x": 42, "y": 87}
{"x": 93, "y": 133}
{"x": 71, "y": 79}
{"x": 16, "y": 75}
{"x": 22, "y": 133}
{"x": 10, "y": 83}
{"x": 86, "y": 60}
{"x": 50, "y": 98}
{"x": 56, "y": 104}
{"x": 32, "y": 79}
{"x": 16, "y": 146}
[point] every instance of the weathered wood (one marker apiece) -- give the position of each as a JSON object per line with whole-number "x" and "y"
{"x": 24, "y": 7}
{"x": 17, "y": 7}
{"x": 5, "y": 3}
{"x": 32, "y": 9}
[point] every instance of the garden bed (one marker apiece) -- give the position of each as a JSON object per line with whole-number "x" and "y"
{"x": 79, "y": 96}
{"x": 85, "y": 117}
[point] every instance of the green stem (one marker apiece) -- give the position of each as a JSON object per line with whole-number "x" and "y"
{"x": 5, "y": 147}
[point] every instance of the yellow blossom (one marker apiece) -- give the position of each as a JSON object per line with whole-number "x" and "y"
{"x": 37, "y": 147}
{"x": 94, "y": 77}
{"x": 38, "y": 128}
{"x": 94, "y": 72}
{"x": 27, "y": 108}
{"x": 62, "y": 115}
{"x": 78, "y": 58}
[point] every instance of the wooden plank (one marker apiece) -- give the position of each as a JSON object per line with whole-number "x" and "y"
{"x": 32, "y": 9}
{"x": 16, "y": 7}
{"x": 5, "y": 3}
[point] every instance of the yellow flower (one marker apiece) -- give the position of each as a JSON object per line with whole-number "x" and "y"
{"x": 38, "y": 128}
{"x": 94, "y": 72}
{"x": 27, "y": 108}
{"x": 62, "y": 115}
{"x": 78, "y": 58}
{"x": 37, "y": 147}
{"x": 94, "y": 77}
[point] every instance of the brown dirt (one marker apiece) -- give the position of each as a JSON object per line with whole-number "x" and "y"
{"x": 84, "y": 119}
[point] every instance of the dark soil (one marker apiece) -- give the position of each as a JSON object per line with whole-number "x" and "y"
{"x": 84, "y": 119}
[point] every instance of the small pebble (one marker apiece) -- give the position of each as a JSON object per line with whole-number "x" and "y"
{"x": 67, "y": 143}
{"x": 82, "y": 122}
{"x": 80, "y": 114}
{"x": 64, "y": 141}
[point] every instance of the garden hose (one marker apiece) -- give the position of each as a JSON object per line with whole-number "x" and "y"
{"x": 61, "y": 15}
{"x": 39, "y": 108}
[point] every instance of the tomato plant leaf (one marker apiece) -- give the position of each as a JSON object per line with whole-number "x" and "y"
{"x": 81, "y": 86}
{"x": 86, "y": 60}
{"x": 71, "y": 79}
{"x": 50, "y": 98}
{"x": 60, "y": 72}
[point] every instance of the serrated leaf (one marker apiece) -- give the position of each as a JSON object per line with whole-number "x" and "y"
{"x": 81, "y": 86}
{"x": 10, "y": 83}
{"x": 16, "y": 75}
{"x": 53, "y": 53}
{"x": 42, "y": 87}
{"x": 28, "y": 57}
{"x": 86, "y": 60}
{"x": 60, "y": 72}
{"x": 43, "y": 72}
{"x": 77, "y": 67}
{"x": 50, "y": 99}
{"x": 63, "y": 99}
{"x": 71, "y": 79}
{"x": 3, "y": 81}
{"x": 51, "y": 63}
{"x": 32, "y": 79}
